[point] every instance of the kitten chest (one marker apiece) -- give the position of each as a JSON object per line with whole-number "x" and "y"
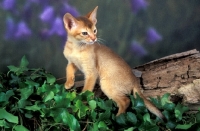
{"x": 74, "y": 56}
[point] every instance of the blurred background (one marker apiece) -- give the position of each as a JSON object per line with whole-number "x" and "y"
{"x": 138, "y": 30}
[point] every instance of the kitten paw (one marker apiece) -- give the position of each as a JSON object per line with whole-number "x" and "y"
{"x": 69, "y": 85}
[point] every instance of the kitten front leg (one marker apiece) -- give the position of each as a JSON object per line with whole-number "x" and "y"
{"x": 70, "y": 75}
{"x": 90, "y": 81}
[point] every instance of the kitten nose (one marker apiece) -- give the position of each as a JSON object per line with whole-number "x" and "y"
{"x": 93, "y": 38}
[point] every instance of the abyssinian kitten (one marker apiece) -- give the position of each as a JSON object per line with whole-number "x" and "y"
{"x": 97, "y": 61}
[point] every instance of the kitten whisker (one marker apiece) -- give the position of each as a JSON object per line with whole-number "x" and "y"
{"x": 100, "y": 40}
{"x": 81, "y": 44}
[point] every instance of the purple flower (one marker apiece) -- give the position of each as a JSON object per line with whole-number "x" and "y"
{"x": 152, "y": 36}
{"x": 27, "y": 12}
{"x": 47, "y": 15}
{"x": 44, "y": 34}
{"x": 41, "y": 2}
{"x": 8, "y": 4}
{"x": 57, "y": 28}
{"x": 10, "y": 28}
{"x": 69, "y": 9}
{"x": 138, "y": 5}
{"x": 137, "y": 49}
{"x": 35, "y": 1}
{"x": 22, "y": 30}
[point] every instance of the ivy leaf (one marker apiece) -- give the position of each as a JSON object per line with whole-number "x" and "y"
{"x": 131, "y": 118}
{"x": 24, "y": 62}
{"x": 2, "y": 97}
{"x": 58, "y": 98}
{"x": 42, "y": 89}
{"x": 198, "y": 117}
{"x": 49, "y": 96}
{"x": 92, "y": 104}
{"x": 8, "y": 116}
{"x": 156, "y": 101}
{"x": 62, "y": 101}
{"x": 19, "y": 70}
{"x": 50, "y": 79}
{"x": 138, "y": 104}
{"x": 167, "y": 114}
{"x": 8, "y": 94}
{"x": 184, "y": 126}
{"x": 33, "y": 108}
{"x": 71, "y": 95}
{"x": 3, "y": 123}
{"x": 94, "y": 127}
{"x": 1, "y": 86}
{"x": 169, "y": 106}
{"x": 87, "y": 95}
{"x": 93, "y": 115}
{"x": 20, "y": 128}
{"x": 81, "y": 108}
{"x": 13, "y": 68}
{"x": 71, "y": 121}
{"x": 58, "y": 88}
{"x": 171, "y": 124}
{"x": 104, "y": 116}
{"x": 105, "y": 105}
{"x": 130, "y": 129}
{"x": 27, "y": 115}
{"x": 31, "y": 83}
{"x": 165, "y": 99}
{"x": 121, "y": 119}
{"x": 179, "y": 110}
{"x": 26, "y": 92}
{"x": 153, "y": 128}
{"x": 102, "y": 125}
{"x": 146, "y": 118}
{"x": 146, "y": 126}
{"x": 22, "y": 103}
{"x": 166, "y": 103}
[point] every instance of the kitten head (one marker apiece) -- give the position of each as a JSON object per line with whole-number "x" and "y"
{"x": 82, "y": 29}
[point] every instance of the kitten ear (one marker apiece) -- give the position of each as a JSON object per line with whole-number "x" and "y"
{"x": 92, "y": 15}
{"x": 69, "y": 21}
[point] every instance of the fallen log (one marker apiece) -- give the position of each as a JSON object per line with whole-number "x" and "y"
{"x": 177, "y": 74}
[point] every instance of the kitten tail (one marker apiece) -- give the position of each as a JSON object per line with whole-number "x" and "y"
{"x": 149, "y": 105}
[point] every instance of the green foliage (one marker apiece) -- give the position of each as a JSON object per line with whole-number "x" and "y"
{"x": 30, "y": 99}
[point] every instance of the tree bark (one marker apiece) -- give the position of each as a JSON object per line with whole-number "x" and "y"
{"x": 177, "y": 74}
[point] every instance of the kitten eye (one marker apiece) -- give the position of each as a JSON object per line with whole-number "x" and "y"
{"x": 84, "y": 33}
{"x": 95, "y": 30}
